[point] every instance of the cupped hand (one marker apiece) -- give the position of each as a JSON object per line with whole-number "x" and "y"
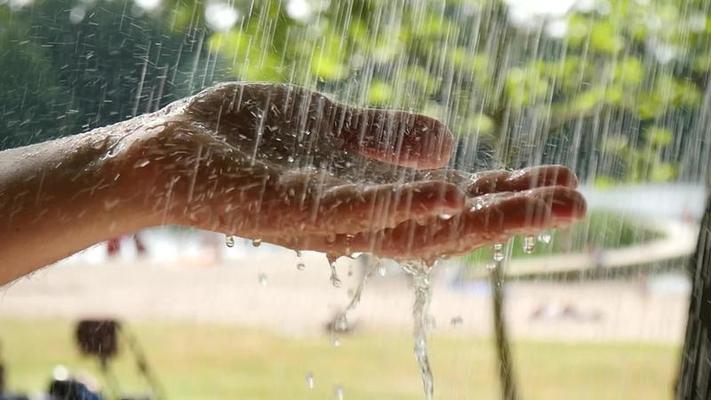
{"x": 292, "y": 167}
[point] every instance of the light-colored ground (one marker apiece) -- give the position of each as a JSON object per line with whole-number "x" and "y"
{"x": 301, "y": 302}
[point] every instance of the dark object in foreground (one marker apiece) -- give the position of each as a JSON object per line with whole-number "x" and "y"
{"x": 694, "y": 382}
{"x": 98, "y": 338}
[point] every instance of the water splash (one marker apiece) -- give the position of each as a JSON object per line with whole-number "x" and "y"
{"x": 420, "y": 273}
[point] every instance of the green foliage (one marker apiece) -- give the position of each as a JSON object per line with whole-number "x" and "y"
{"x": 467, "y": 61}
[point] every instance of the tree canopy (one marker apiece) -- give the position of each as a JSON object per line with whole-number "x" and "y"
{"x": 614, "y": 88}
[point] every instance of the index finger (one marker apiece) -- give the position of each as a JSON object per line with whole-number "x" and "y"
{"x": 396, "y": 137}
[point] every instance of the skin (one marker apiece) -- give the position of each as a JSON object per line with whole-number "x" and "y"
{"x": 271, "y": 162}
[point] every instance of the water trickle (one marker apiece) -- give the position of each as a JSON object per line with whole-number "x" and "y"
{"x": 544, "y": 237}
{"x": 529, "y": 244}
{"x": 263, "y": 279}
{"x": 420, "y": 274}
{"x": 256, "y": 242}
{"x": 341, "y": 323}
{"x": 301, "y": 266}
{"x": 498, "y": 252}
{"x": 335, "y": 280}
{"x": 229, "y": 241}
{"x": 382, "y": 269}
{"x": 309, "y": 380}
{"x": 373, "y": 264}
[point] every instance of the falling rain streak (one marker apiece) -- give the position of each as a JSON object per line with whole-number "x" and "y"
{"x": 620, "y": 97}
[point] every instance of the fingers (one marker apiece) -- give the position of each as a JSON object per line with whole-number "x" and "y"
{"x": 489, "y": 219}
{"x": 396, "y": 137}
{"x": 356, "y": 208}
{"x": 524, "y": 179}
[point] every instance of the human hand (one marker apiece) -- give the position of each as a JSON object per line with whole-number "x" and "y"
{"x": 292, "y": 167}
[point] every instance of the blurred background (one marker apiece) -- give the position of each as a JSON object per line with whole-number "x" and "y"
{"x": 616, "y": 89}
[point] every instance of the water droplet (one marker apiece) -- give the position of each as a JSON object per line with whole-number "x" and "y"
{"x": 301, "y": 266}
{"x": 310, "y": 380}
{"x": 445, "y": 217}
{"x": 338, "y": 392}
{"x": 290, "y": 159}
{"x": 498, "y": 252}
{"x": 257, "y": 242}
{"x": 529, "y": 244}
{"x": 382, "y": 270}
{"x": 456, "y": 321}
{"x": 298, "y": 253}
{"x": 545, "y": 237}
{"x": 336, "y": 342}
{"x": 229, "y": 241}
{"x": 263, "y": 280}
{"x": 341, "y": 323}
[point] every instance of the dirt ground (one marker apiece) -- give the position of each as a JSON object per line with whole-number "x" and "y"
{"x": 264, "y": 289}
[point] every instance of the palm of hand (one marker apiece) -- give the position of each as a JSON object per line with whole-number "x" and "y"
{"x": 294, "y": 168}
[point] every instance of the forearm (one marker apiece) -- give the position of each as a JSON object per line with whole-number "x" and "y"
{"x": 62, "y": 196}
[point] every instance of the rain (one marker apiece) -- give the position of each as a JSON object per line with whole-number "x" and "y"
{"x": 316, "y": 182}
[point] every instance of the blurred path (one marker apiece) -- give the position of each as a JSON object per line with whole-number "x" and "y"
{"x": 265, "y": 290}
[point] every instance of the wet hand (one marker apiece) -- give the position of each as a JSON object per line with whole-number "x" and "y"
{"x": 292, "y": 167}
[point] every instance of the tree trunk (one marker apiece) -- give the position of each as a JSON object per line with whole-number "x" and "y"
{"x": 695, "y": 373}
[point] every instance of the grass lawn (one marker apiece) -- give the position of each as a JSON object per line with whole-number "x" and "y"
{"x": 225, "y": 362}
